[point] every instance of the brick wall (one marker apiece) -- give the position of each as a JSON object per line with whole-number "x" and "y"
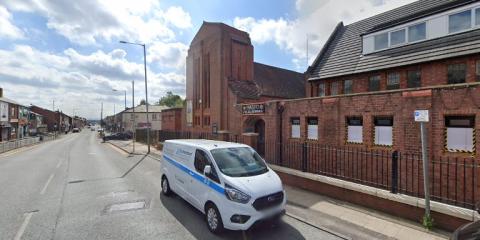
{"x": 432, "y": 74}
{"x": 171, "y": 119}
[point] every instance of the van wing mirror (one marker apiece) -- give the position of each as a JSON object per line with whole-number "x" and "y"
{"x": 207, "y": 170}
{"x": 477, "y": 207}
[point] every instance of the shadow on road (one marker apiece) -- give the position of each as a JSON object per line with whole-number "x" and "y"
{"x": 193, "y": 221}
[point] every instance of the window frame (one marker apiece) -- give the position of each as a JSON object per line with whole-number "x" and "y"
{"x": 477, "y": 69}
{"x": 292, "y": 123}
{"x": 350, "y": 87}
{"x": 387, "y": 38}
{"x": 414, "y": 25}
{"x": 332, "y": 85}
{"x": 457, "y": 13}
{"x": 323, "y": 87}
{"x": 449, "y": 125}
{"x": 308, "y": 119}
{"x": 393, "y": 86}
{"x": 455, "y": 65}
{"x": 349, "y": 122}
{"x": 409, "y": 80}
{"x": 370, "y": 78}
{"x": 376, "y": 123}
{"x": 396, "y": 31}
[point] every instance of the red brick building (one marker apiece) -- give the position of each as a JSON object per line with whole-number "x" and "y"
{"x": 353, "y": 116}
{"x": 221, "y": 74}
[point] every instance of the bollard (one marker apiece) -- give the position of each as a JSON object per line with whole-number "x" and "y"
{"x": 394, "y": 172}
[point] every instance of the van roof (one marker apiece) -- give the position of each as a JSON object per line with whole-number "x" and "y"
{"x": 206, "y": 144}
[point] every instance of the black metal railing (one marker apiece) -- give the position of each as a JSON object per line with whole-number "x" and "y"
{"x": 453, "y": 180}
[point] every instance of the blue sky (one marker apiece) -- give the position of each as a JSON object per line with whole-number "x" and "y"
{"x": 68, "y": 51}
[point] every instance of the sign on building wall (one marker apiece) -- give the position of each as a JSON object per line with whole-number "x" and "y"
{"x": 253, "y": 109}
{"x": 189, "y": 113}
{"x": 3, "y": 112}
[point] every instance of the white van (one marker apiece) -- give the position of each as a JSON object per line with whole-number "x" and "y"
{"x": 228, "y": 182}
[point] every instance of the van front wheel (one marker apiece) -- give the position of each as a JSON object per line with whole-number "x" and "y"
{"x": 213, "y": 218}
{"x": 166, "y": 187}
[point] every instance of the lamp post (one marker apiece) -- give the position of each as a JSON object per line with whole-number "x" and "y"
{"x": 146, "y": 92}
{"x": 125, "y": 92}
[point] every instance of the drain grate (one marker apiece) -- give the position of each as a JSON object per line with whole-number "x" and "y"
{"x": 126, "y": 206}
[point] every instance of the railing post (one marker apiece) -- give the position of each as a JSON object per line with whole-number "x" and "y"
{"x": 304, "y": 157}
{"x": 394, "y": 172}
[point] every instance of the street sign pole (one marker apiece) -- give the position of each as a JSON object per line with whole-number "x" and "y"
{"x": 422, "y": 116}
{"x": 426, "y": 184}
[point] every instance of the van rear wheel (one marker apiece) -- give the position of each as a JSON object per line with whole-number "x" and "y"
{"x": 213, "y": 218}
{"x": 166, "y": 187}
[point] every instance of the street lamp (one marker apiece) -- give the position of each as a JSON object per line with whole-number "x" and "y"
{"x": 125, "y": 91}
{"x": 146, "y": 93}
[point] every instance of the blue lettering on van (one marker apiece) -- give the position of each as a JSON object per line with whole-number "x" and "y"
{"x": 195, "y": 175}
{"x": 183, "y": 152}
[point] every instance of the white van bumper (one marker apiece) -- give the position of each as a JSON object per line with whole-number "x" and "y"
{"x": 230, "y": 209}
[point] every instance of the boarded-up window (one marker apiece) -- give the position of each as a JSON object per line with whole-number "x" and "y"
{"x": 383, "y": 131}
{"x": 295, "y": 122}
{"x": 460, "y": 133}
{"x": 312, "y": 128}
{"x": 477, "y": 70}
{"x": 354, "y": 130}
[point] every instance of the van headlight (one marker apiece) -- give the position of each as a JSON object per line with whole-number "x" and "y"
{"x": 236, "y": 195}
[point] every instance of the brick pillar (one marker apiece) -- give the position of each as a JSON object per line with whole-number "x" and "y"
{"x": 250, "y": 139}
{"x": 224, "y": 136}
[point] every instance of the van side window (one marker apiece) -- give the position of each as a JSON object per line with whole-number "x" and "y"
{"x": 201, "y": 161}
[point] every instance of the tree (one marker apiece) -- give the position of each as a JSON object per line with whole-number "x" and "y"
{"x": 142, "y": 102}
{"x": 171, "y": 100}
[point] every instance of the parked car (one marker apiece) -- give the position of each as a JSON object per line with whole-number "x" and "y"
{"x": 468, "y": 231}
{"x": 117, "y": 136}
{"x": 228, "y": 182}
{"x": 75, "y": 130}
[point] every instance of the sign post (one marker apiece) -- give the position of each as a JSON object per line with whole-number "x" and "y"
{"x": 422, "y": 117}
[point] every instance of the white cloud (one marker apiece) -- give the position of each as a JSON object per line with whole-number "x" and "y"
{"x": 177, "y": 17}
{"x": 317, "y": 19}
{"x": 7, "y": 29}
{"x": 80, "y": 81}
{"x": 171, "y": 55}
{"x": 88, "y": 21}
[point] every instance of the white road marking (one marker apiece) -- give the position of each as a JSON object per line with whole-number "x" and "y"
{"x": 59, "y": 163}
{"x": 22, "y": 228}
{"x": 46, "y": 184}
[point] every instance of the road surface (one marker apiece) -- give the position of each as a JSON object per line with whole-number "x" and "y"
{"x": 76, "y": 187}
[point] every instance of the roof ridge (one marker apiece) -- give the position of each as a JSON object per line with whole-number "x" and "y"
{"x": 284, "y": 69}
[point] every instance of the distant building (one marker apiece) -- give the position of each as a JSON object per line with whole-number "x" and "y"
{"x": 140, "y": 116}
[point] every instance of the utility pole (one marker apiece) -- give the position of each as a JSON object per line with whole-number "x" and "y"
{"x": 146, "y": 97}
{"x": 134, "y": 127}
{"x": 307, "y": 51}
{"x": 101, "y": 116}
{"x": 53, "y": 105}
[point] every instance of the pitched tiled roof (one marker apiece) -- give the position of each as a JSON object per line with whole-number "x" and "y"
{"x": 342, "y": 54}
{"x": 270, "y": 81}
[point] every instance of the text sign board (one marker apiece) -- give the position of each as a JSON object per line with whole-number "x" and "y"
{"x": 253, "y": 109}
{"x": 421, "y": 116}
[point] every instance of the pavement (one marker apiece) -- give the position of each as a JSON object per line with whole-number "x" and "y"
{"x": 348, "y": 221}
{"x": 77, "y": 187}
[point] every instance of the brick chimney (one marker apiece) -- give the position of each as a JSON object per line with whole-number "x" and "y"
{"x": 1, "y": 92}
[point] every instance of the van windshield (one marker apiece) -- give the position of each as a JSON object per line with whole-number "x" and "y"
{"x": 239, "y": 162}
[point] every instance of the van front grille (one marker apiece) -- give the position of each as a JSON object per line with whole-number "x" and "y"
{"x": 268, "y": 201}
